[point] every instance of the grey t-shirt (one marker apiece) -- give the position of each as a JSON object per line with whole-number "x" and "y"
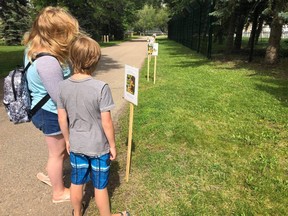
{"x": 84, "y": 100}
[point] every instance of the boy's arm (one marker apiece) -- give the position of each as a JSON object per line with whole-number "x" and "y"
{"x": 63, "y": 122}
{"x": 109, "y": 132}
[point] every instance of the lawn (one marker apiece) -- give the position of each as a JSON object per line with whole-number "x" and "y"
{"x": 209, "y": 138}
{"x": 12, "y": 56}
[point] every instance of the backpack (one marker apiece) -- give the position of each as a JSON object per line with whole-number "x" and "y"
{"x": 17, "y": 98}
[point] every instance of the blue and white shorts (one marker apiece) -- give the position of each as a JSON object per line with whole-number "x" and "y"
{"x": 85, "y": 168}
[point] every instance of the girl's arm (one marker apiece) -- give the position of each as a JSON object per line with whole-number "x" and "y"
{"x": 63, "y": 122}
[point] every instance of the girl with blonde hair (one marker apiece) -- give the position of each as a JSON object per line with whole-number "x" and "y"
{"x": 51, "y": 35}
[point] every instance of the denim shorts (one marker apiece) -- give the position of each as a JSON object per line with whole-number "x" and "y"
{"x": 85, "y": 168}
{"x": 47, "y": 122}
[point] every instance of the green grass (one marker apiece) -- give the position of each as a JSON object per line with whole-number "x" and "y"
{"x": 10, "y": 57}
{"x": 259, "y": 48}
{"x": 209, "y": 138}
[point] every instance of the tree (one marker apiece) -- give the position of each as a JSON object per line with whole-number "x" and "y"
{"x": 146, "y": 18}
{"x": 15, "y": 20}
{"x": 278, "y": 10}
{"x": 162, "y": 18}
{"x": 99, "y": 17}
{"x": 150, "y": 18}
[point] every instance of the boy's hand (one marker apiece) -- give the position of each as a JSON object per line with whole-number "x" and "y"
{"x": 68, "y": 147}
{"x": 113, "y": 153}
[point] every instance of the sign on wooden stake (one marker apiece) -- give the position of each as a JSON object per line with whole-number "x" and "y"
{"x": 131, "y": 95}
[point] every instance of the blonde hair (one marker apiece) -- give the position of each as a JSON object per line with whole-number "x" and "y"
{"x": 53, "y": 30}
{"x": 84, "y": 55}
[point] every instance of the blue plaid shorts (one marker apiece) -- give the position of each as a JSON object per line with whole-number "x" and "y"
{"x": 85, "y": 168}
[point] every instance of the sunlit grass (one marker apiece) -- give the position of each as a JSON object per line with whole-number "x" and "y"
{"x": 210, "y": 138}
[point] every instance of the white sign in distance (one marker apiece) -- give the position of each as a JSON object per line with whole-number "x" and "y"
{"x": 155, "y": 49}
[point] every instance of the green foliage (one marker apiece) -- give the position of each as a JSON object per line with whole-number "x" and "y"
{"x": 284, "y": 16}
{"x": 177, "y": 7}
{"x": 99, "y": 17}
{"x": 161, "y": 19}
{"x": 150, "y": 17}
{"x": 146, "y": 18}
{"x": 15, "y": 16}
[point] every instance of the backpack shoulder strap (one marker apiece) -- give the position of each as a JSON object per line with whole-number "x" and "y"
{"x": 27, "y": 66}
{"x": 47, "y": 96}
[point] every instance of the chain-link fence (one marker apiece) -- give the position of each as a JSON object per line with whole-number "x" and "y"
{"x": 193, "y": 28}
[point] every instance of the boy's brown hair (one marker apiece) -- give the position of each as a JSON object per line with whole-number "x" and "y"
{"x": 84, "y": 55}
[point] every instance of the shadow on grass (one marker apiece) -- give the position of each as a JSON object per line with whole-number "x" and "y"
{"x": 273, "y": 77}
{"x": 192, "y": 58}
{"x": 278, "y": 90}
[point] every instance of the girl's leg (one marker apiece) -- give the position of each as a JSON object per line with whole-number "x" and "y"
{"x": 102, "y": 201}
{"x": 56, "y": 155}
{"x": 76, "y": 192}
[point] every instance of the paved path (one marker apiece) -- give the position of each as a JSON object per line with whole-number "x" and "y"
{"x": 23, "y": 151}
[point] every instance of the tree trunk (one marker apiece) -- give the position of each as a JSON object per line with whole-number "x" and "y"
{"x": 272, "y": 51}
{"x": 253, "y": 33}
{"x": 251, "y": 41}
{"x": 239, "y": 30}
{"x": 259, "y": 29}
{"x": 230, "y": 36}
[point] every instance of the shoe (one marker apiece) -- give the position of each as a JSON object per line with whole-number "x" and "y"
{"x": 44, "y": 178}
{"x": 65, "y": 198}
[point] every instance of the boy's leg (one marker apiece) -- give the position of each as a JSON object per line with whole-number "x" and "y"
{"x": 76, "y": 196}
{"x": 102, "y": 201}
{"x": 103, "y": 204}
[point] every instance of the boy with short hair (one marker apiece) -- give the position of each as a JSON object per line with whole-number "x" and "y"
{"x": 84, "y": 106}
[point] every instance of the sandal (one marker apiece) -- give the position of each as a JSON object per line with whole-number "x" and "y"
{"x": 65, "y": 198}
{"x": 44, "y": 178}
{"x": 82, "y": 210}
{"x": 124, "y": 213}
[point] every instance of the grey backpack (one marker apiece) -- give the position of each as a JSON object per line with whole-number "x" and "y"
{"x": 17, "y": 99}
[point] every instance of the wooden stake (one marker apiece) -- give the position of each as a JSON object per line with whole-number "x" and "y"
{"x": 148, "y": 67}
{"x": 155, "y": 69}
{"x": 131, "y": 116}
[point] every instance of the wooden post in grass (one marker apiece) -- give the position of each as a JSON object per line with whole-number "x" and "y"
{"x": 131, "y": 95}
{"x": 155, "y": 61}
{"x": 155, "y": 54}
{"x": 128, "y": 163}
{"x": 148, "y": 66}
